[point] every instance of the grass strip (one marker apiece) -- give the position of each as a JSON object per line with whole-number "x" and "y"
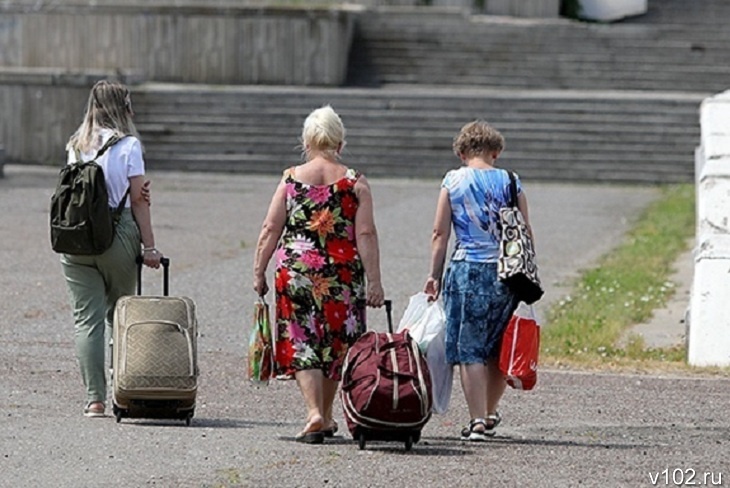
{"x": 623, "y": 290}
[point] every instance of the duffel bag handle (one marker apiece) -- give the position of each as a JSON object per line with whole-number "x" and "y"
{"x": 389, "y": 313}
{"x": 386, "y": 371}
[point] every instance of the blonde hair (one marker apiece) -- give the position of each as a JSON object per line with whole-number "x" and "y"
{"x": 323, "y": 132}
{"x": 108, "y": 107}
{"x": 477, "y": 138}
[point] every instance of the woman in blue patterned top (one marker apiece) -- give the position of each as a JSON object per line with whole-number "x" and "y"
{"x": 478, "y": 305}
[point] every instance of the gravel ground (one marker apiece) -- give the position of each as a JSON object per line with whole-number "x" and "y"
{"x": 574, "y": 429}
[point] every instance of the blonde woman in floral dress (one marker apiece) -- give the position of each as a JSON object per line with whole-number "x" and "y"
{"x": 321, "y": 232}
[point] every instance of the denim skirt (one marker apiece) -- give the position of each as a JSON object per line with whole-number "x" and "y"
{"x": 478, "y": 307}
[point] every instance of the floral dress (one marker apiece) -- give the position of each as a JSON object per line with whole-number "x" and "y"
{"x": 319, "y": 280}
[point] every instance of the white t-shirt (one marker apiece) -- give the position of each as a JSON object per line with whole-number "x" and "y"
{"x": 120, "y": 162}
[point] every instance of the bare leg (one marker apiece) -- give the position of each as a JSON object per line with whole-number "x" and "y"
{"x": 329, "y": 393}
{"x": 474, "y": 384}
{"x": 311, "y": 384}
{"x": 496, "y": 385}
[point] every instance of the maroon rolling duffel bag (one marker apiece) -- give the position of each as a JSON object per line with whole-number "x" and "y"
{"x": 386, "y": 387}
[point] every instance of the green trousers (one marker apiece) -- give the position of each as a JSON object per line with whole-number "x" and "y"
{"x": 95, "y": 283}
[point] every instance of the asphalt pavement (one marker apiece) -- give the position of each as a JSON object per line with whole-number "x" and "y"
{"x": 574, "y": 429}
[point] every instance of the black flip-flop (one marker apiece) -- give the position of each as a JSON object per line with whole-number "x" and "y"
{"x": 332, "y": 431}
{"x": 311, "y": 438}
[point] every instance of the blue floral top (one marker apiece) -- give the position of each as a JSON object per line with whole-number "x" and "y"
{"x": 476, "y": 195}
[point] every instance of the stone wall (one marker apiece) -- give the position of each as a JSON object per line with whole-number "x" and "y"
{"x": 195, "y": 42}
{"x": 41, "y": 108}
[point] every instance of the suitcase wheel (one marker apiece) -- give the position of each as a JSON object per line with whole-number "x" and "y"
{"x": 189, "y": 417}
{"x": 409, "y": 442}
{"x": 118, "y": 413}
{"x": 361, "y": 441}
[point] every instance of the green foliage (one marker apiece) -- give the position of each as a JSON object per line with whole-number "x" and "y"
{"x": 626, "y": 287}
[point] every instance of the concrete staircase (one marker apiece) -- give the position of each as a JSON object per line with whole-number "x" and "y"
{"x": 407, "y": 131}
{"x": 576, "y": 101}
{"x": 452, "y": 49}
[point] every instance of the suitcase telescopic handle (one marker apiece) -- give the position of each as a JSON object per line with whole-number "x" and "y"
{"x": 165, "y": 262}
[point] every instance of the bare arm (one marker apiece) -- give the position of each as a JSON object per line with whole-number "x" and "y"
{"x": 366, "y": 236}
{"x": 439, "y": 244}
{"x": 271, "y": 231}
{"x": 143, "y": 217}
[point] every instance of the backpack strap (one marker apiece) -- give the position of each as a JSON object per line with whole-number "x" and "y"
{"x": 118, "y": 211}
{"x": 109, "y": 143}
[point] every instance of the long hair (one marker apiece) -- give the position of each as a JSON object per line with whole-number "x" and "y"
{"x": 108, "y": 107}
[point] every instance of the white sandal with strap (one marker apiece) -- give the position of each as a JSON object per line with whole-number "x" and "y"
{"x": 469, "y": 433}
{"x": 493, "y": 420}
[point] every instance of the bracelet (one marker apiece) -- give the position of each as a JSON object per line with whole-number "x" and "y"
{"x": 150, "y": 249}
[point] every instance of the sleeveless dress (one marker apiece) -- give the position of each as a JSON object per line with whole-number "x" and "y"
{"x": 319, "y": 278}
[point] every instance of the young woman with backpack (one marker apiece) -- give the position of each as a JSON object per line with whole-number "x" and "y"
{"x": 95, "y": 282}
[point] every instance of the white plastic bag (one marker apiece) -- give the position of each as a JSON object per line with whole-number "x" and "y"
{"x": 442, "y": 373}
{"x": 423, "y": 320}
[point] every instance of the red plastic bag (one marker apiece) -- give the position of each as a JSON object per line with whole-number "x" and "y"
{"x": 520, "y": 350}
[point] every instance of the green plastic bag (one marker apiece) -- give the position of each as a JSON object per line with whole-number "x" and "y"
{"x": 261, "y": 346}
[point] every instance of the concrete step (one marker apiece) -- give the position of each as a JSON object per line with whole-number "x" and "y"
{"x": 393, "y": 149}
{"x": 545, "y": 169}
{"x": 174, "y": 100}
{"x": 698, "y": 13}
{"x": 402, "y": 130}
{"x": 518, "y": 136}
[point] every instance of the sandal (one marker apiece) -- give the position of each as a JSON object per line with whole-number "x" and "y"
{"x": 493, "y": 420}
{"x": 472, "y": 433}
{"x": 332, "y": 430}
{"x": 310, "y": 437}
{"x": 312, "y": 433}
{"x": 94, "y": 409}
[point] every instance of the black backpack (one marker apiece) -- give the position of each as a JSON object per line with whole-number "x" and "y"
{"x": 81, "y": 221}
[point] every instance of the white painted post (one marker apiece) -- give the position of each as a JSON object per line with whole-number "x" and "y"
{"x": 611, "y": 10}
{"x": 709, "y": 314}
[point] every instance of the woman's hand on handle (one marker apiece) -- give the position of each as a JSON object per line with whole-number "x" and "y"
{"x": 432, "y": 288}
{"x": 151, "y": 257}
{"x": 260, "y": 285}
{"x": 375, "y": 296}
